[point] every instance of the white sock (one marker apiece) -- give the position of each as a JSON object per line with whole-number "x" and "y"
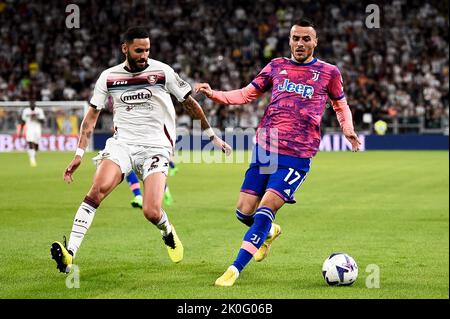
{"x": 32, "y": 154}
{"x": 164, "y": 224}
{"x": 234, "y": 269}
{"x": 82, "y": 222}
{"x": 271, "y": 231}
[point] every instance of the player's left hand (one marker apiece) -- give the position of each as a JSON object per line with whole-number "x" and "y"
{"x": 219, "y": 143}
{"x": 353, "y": 139}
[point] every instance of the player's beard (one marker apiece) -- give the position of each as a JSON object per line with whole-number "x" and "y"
{"x": 304, "y": 58}
{"x": 133, "y": 64}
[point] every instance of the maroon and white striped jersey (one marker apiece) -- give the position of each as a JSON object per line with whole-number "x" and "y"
{"x": 143, "y": 110}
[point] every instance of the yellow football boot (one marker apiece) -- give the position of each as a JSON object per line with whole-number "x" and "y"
{"x": 228, "y": 278}
{"x": 174, "y": 246}
{"x": 265, "y": 247}
{"x": 62, "y": 256}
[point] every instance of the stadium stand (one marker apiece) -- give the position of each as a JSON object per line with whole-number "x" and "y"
{"x": 398, "y": 73}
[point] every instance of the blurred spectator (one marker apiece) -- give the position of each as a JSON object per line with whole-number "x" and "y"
{"x": 397, "y": 71}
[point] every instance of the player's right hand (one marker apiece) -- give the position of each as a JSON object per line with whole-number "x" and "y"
{"x": 203, "y": 88}
{"x": 68, "y": 172}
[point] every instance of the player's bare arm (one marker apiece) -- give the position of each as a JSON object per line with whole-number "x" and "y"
{"x": 196, "y": 112}
{"x": 87, "y": 128}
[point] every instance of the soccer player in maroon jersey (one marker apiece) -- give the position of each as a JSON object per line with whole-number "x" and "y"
{"x": 143, "y": 141}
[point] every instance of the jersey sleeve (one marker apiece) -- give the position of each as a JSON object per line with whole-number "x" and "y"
{"x": 335, "y": 87}
{"x": 176, "y": 85}
{"x": 100, "y": 96}
{"x": 263, "y": 81}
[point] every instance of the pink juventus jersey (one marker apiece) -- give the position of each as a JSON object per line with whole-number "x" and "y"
{"x": 291, "y": 122}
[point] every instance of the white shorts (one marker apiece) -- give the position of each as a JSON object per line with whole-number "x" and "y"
{"x": 33, "y": 136}
{"x": 143, "y": 160}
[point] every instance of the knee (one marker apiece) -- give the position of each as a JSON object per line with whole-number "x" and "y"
{"x": 245, "y": 207}
{"x": 152, "y": 213}
{"x": 97, "y": 193}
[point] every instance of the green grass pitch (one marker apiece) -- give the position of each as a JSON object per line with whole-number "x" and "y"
{"x": 389, "y": 209}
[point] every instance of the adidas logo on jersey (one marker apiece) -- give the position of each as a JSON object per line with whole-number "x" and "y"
{"x": 283, "y": 72}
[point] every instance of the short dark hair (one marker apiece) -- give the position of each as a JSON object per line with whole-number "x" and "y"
{"x": 135, "y": 33}
{"x": 305, "y": 22}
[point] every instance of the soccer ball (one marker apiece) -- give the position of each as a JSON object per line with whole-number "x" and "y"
{"x": 339, "y": 269}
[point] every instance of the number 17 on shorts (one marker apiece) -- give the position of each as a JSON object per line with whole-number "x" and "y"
{"x": 285, "y": 182}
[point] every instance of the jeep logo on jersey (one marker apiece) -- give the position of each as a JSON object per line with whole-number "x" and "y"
{"x": 134, "y": 96}
{"x": 302, "y": 89}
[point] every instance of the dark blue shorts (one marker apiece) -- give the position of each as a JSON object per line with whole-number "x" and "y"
{"x": 281, "y": 174}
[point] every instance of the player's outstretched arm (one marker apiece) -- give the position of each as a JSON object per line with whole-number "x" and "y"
{"x": 241, "y": 96}
{"x": 87, "y": 128}
{"x": 344, "y": 116}
{"x": 196, "y": 112}
{"x": 203, "y": 88}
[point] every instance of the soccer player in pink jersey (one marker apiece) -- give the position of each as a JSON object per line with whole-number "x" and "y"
{"x": 288, "y": 136}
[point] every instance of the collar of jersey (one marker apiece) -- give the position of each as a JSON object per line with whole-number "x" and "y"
{"x": 303, "y": 64}
{"x": 128, "y": 70}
